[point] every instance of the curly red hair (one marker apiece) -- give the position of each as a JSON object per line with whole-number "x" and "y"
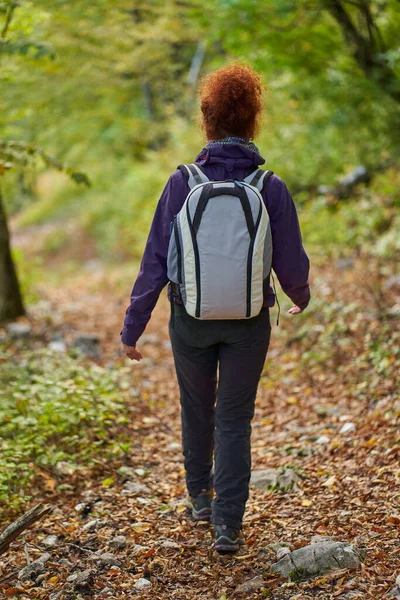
{"x": 231, "y": 102}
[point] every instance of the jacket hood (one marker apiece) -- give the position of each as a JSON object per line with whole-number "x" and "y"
{"x": 232, "y": 156}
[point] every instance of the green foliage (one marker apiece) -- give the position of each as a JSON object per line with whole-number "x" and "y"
{"x": 54, "y": 409}
{"x": 14, "y": 153}
{"x": 116, "y": 97}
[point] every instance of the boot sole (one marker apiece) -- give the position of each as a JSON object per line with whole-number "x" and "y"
{"x": 203, "y": 515}
{"x": 226, "y": 548}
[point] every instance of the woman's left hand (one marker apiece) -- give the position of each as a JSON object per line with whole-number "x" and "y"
{"x": 131, "y": 352}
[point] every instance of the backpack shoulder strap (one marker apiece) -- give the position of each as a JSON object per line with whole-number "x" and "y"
{"x": 258, "y": 178}
{"x": 193, "y": 174}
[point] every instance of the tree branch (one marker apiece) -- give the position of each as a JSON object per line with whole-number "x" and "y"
{"x": 366, "y": 51}
{"x": 17, "y": 527}
{"x": 9, "y": 17}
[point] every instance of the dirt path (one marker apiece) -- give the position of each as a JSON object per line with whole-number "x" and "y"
{"x": 320, "y": 374}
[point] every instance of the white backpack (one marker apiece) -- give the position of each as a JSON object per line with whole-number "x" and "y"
{"x": 220, "y": 251}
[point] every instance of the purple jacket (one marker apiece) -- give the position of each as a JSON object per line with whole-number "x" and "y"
{"x": 289, "y": 260}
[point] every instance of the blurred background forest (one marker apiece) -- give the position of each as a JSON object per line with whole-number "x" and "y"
{"x": 108, "y": 88}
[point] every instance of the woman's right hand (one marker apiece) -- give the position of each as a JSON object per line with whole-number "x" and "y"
{"x": 131, "y": 352}
{"x": 295, "y": 310}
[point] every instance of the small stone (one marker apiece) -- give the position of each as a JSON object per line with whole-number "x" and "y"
{"x": 65, "y": 563}
{"x": 51, "y": 541}
{"x": 150, "y": 338}
{"x": 131, "y": 487}
{"x": 140, "y": 500}
{"x": 264, "y": 479}
{"x": 80, "y": 577}
{"x": 65, "y": 468}
{"x": 31, "y": 571}
{"x": 57, "y": 346}
{"x": 345, "y": 263}
{"x": 142, "y": 584}
{"x": 347, "y": 427}
{"x": 19, "y": 330}
{"x": 288, "y": 479}
{"x": 274, "y": 479}
{"x": 174, "y": 446}
{"x": 88, "y": 344}
{"x": 93, "y": 264}
{"x": 108, "y": 559}
{"x": 169, "y": 544}
{"x": 126, "y": 472}
{"x": 323, "y": 439}
{"x": 140, "y": 472}
{"x": 43, "y": 558}
{"x": 252, "y": 584}
{"x": 118, "y": 542}
{"x": 392, "y": 282}
{"x": 90, "y": 525}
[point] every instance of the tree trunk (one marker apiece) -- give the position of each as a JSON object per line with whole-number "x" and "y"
{"x": 11, "y": 305}
{"x": 367, "y": 50}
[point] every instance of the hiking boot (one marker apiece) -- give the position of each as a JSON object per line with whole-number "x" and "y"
{"x": 227, "y": 539}
{"x": 201, "y": 505}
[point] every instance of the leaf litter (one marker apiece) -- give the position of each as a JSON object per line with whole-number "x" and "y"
{"x": 337, "y": 363}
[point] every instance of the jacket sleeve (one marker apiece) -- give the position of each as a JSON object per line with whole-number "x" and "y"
{"x": 152, "y": 277}
{"x": 289, "y": 259}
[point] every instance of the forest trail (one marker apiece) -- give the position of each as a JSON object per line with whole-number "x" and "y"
{"x": 348, "y": 486}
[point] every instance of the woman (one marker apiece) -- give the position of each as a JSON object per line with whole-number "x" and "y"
{"x": 219, "y": 422}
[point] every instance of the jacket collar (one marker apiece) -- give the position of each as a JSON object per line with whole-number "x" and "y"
{"x": 232, "y": 155}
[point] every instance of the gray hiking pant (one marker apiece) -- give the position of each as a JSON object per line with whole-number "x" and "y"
{"x": 219, "y": 420}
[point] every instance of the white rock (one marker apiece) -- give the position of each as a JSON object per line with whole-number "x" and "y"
{"x": 19, "y": 330}
{"x": 344, "y": 418}
{"x": 108, "y": 559}
{"x": 80, "y": 577}
{"x": 65, "y": 563}
{"x": 57, "y": 346}
{"x": 274, "y": 479}
{"x": 88, "y": 344}
{"x": 347, "y": 427}
{"x": 170, "y": 544}
{"x": 140, "y": 500}
{"x": 142, "y": 584}
{"x": 317, "y": 558}
{"x": 252, "y": 584}
{"x": 323, "y": 439}
{"x": 118, "y": 542}
{"x": 131, "y": 487}
{"x": 43, "y": 558}
{"x": 90, "y": 525}
{"x": 51, "y": 541}
{"x": 140, "y": 472}
{"x": 174, "y": 446}
{"x": 65, "y": 468}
